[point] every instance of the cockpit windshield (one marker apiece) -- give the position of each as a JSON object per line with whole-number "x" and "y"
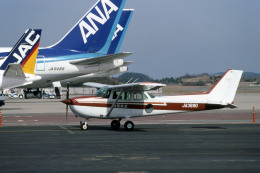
{"x": 152, "y": 96}
{"x": 103, "y": 92}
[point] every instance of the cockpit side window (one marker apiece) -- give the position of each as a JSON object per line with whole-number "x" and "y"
{"x": 108, "y": 93}
{"x": 122, "y": 97}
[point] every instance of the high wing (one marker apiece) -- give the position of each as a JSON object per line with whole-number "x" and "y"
{"x": 133, "y": 87}
{"x": 101, "y": 59}
{"x": 96, "y": 85}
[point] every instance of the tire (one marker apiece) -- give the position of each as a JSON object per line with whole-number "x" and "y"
{"x": 129, "y": 126}
{"x": 84, "y": 126}
{"x": 115, "y": 125}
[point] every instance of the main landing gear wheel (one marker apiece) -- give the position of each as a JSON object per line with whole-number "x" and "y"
{"x": 129, "y": 126}
{"x": 115, "y": 124}
{"x": 84, "y": 126}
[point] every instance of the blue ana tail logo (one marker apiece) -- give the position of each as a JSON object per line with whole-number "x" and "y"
{"x": 94, "y": 32}
{"x": 91, "y": 17}
{"x": 22, "y": 48}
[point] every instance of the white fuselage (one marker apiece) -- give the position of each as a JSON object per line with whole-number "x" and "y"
{"x": 97, "y": 107}
{"x": 57, "y": 68}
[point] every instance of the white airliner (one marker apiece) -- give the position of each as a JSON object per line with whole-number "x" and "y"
{"x": 22, "y": 72}
{"x": 91, "y": 46}
{"x": 132, "y": 100}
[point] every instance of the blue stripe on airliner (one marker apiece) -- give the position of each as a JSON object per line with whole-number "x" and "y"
{"x": 41, "y": 59}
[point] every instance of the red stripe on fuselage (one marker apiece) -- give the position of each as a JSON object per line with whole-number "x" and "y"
{"x": 140, "y": 105}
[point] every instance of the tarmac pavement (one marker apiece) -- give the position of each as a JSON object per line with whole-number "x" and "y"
{"x": 35, "y": 137}
{"x": 149, "y": 148}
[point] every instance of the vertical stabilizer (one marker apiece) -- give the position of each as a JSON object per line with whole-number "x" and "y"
{"x": 223, "y": 92}
{"x": 120, "y": 31}
{"x": 20, "y": 63}
{"x": 94, "y": 31}
{"x": 25, "y": 51}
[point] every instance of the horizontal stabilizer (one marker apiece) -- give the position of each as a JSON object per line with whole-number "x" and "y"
{"x": 231, "y": 106}
{"x": 101, "y": 59}
{"x": 126, "y": 63}
{"x": 14, "y": 70}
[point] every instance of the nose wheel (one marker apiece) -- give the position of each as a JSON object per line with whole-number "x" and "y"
{"x": 84, "y": 126}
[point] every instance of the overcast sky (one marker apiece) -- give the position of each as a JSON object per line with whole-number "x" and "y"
{"x": 168, "y": 37}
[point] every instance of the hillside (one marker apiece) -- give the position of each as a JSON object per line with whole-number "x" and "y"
{"x": 187, "y": 79}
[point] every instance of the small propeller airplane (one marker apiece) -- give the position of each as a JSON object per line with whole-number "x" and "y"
{"x": 131, "y": 100}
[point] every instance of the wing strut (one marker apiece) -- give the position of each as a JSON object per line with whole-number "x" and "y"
{"x": 114, "y": 104}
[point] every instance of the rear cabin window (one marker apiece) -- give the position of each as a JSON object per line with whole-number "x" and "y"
{"x": 139, "y": 96}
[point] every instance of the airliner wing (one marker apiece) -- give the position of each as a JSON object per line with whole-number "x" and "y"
{"x": 101, "y": 59}
{"x": 133, "y": 87}
{"x": 14, "y": 70}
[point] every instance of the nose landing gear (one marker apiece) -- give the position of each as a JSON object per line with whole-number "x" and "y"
{"x": 84, "y": 126}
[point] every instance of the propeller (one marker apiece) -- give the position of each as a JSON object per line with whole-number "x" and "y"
{"x": 67, "y": 97}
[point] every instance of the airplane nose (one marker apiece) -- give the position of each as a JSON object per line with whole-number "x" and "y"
{"x": 67, "y": 101}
